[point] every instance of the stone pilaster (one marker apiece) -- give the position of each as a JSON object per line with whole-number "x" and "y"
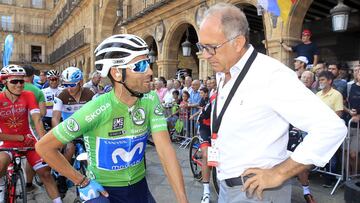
{"x": 167, "y": 68}
{"x": 204, "y": 67}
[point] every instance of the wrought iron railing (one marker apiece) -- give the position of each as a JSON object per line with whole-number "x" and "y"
{"x": 20, "y": 58}
{"x": 78, "y": 40}
{"x": 24, "y": 4}
{"x": 24, "y": 28}
{"x": 63, "y": 15}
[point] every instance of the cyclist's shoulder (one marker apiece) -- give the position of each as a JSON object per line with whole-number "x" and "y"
{"x": 87, "y": 92}
{"x": 150, "y": 97}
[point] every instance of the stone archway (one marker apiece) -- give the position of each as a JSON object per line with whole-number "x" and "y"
{"x": 107, "y": 19}
{"x": 171, "y": 54}
{"x": 153, "y": 46}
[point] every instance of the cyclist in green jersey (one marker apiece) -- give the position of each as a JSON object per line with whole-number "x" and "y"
{"x": 115, "y": 127}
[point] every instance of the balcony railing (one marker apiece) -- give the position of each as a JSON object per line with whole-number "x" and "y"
{"x": 25, "y": 28}
{"x": 20, "y": 58}
{"x": 24, "y": 4}
{"x": 63, "y": 15}
{"x": 137, "y": 11}
{"x": 78, "y": 40}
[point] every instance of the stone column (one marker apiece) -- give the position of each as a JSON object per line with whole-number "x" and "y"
{"x": 204, "y": 67}
{"x": 167, "y": 68}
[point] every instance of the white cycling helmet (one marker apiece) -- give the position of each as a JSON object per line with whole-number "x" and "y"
{"x": 52, "y": 73}
{"x": 71, "y": 75}
{"x": 118, "y": 50}
{"x": 12, "y": 70}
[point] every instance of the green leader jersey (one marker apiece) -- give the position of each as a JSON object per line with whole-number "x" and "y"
{"x": 115, "y": 136}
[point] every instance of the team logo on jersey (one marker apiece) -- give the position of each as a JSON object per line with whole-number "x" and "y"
{"x": 159, "y": 110}
{"x": 118, "y": 123}
{"x": 72, "y": 125}
{"x": 5, "y": 104}
{"x": 121, "y": 152}
{"x": 138, "y": 116}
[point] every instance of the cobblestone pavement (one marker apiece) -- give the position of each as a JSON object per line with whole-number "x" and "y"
{"x": 162, "y": 192}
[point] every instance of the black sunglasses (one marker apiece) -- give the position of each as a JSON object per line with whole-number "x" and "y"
{"x": 14, "y": 82}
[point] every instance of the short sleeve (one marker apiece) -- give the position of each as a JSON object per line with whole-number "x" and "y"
{"x": 77, "y": 124}
{"x": 32, "y": 104}
{"x": 156, "y": 114}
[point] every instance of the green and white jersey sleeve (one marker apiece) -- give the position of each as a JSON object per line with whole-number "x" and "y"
{"x": 114, "y": 136}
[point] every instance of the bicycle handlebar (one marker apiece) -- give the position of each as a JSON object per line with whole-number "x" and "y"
{"x": 18, "y": 149}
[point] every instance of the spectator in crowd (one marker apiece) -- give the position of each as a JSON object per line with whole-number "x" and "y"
{"x": 160, "y": 89}
{"x": 321, "y": 66}
{"x": 43, "y": 82}
{"x": 168, "y": 97}
{"x": 162, "y": 78}
{"x": 177, "y": 86}
{"x": 213, "y": 86}
{"x": 307, "y": 77}
{"x": 300, "y": 65}
{"x": 305, "y": 48}
{"x": 250, "y": 135}
{"x": 195, "y": 97}
{"x": 344, "y": 71}
{"x": 355, "y": 72}
{"x": 94, "y": 83}
{"x": 187, "y": 84}
{"x": 184, "y": 110}
{"x": 338, "y": 83}
{"x": 354, "y": 112}
{"x": 332, "y": 98}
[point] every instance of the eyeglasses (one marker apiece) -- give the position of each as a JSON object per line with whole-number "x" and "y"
{"x": 14, "y": 82}
{"x": 138, "y": 67}
{"x": 53, "y": 79}
{"x": 66, "y": 85}
{"x": 211, "y": 49}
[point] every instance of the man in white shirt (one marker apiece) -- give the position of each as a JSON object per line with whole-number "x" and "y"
{"x": 250, "y": 149}
{"x": 168, "y": 98}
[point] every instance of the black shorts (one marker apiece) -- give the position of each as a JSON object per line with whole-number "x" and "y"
{"x": 205, "y": 136}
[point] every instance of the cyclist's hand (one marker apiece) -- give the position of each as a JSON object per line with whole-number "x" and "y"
{"x": 29, "y": 140}
{"x": 92, "y": 190}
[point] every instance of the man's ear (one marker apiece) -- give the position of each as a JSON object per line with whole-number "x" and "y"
{"x": 116, "y": 74}
{"x": 239, "y": 43}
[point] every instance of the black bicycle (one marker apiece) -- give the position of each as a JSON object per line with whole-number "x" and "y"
{"x": 15, "y": 186}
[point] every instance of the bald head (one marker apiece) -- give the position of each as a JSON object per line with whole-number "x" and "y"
{"x": 307, "y": 77}
{"x": 195, "y": 85}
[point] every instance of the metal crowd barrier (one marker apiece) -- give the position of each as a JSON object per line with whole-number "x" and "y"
{"x": 352, "y": 172}
{"x": 344, "y": 173}
{"x": 189, "y": 129}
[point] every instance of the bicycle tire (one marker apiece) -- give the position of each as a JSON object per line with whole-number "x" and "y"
{"x": 193, "y": 152}
{"x": 19, "y": 176}
{"x": 6, "y": 187}
{"x": 215, "y": 182}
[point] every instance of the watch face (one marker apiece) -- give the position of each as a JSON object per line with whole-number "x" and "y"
{"x": 159, "y": 32}
{"x": 199, "y": 15}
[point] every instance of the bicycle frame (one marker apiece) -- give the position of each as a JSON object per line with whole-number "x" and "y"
{"x": 14, "y": 172}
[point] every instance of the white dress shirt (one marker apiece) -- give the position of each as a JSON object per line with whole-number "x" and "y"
{"x": 254, "y": 128}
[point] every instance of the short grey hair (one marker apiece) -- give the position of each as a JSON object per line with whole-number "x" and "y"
{"x": 233, "y": 20}
{"x": 94, "y": 74}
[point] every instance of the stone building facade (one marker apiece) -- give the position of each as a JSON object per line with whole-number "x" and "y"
{"x": 68, "y": 31}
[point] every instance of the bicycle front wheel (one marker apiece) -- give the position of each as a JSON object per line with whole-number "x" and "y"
{"x": 195, "y": 158}
{"x": 18, "y": 188}
{"x": 215, "y": 182}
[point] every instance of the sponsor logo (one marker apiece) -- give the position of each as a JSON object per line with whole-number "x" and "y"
{"x": 159, "y": 110}
{"x": 16, "y": 110}
{"x": 138, "y": 116}
{"x": 118, "y": 61}
{"x": 149, "y": 96}
{"x": 124, "y": 152}
{"x": 116, "y": 133}
{"x": 97, "y": 112}
{"x": 118, "y": 123}
{"x": 68, "y": 108}
{"x": 5, "y": 104}
{"x": 88, "y": 194}
{"x": 72, "y": 125}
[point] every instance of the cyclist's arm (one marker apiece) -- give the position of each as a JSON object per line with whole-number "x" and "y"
{"x": 39, "y": 127}
{"x": 48, "y": 148}
{"x": 8, "y": 137}
{"x": 170, "y": 164}
{"x": 42, "y": 107}
{"x": 55, "y": 120}
{"x": 58, "y": 105}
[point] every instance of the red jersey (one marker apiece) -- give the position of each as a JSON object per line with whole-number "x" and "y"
{"x": 14, "y": 117}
